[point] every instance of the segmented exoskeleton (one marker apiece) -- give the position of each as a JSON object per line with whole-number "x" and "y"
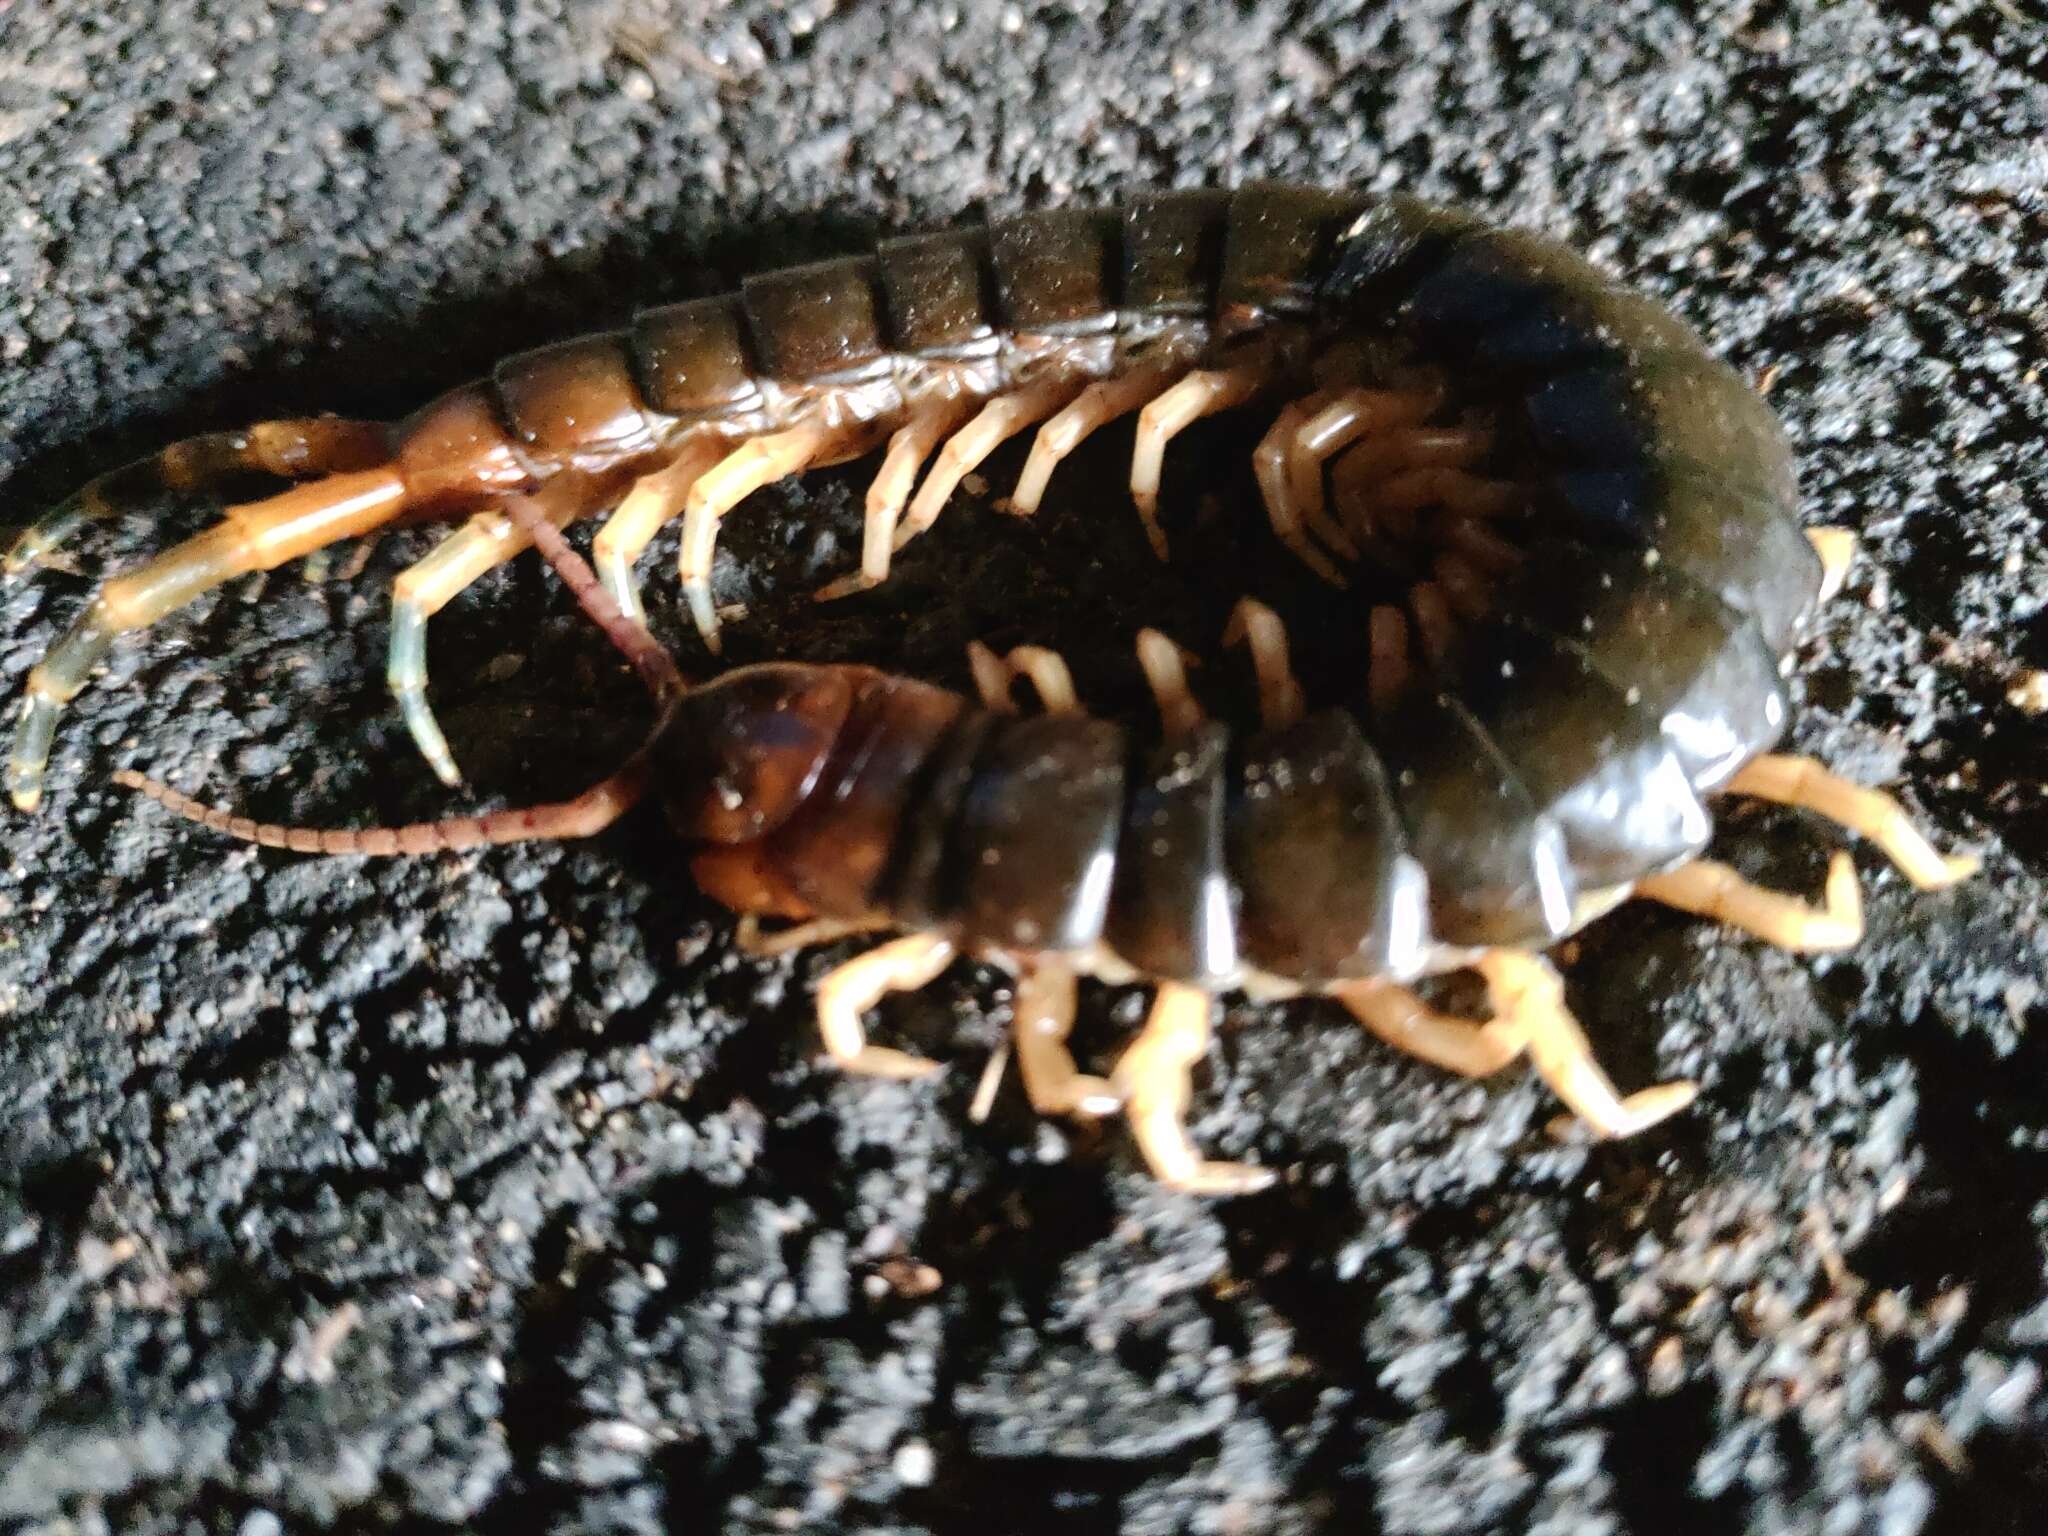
{"x": 1599, "y": 521}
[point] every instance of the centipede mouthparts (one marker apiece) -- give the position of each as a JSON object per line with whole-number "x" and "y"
{"x": 1597, "y": 522}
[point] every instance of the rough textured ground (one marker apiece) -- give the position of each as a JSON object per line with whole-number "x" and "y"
{"x": 498, "y": 1191}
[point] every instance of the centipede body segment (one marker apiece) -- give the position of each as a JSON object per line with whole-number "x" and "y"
{"x": 1583, "y": 529}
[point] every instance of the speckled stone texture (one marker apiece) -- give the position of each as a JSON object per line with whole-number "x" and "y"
{"x": 498, "y": 1192}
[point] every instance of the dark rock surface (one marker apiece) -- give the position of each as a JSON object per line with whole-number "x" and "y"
{"x": 497, "y": 1192}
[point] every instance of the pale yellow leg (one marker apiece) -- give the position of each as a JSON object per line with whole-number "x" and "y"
{"x": 1527, "y": 996}
{"x": 1000, "y": 420}
{"x": 1455, "y": 490}
{"x": 1154, "y": 1080}
{"x": 1484, "y": 549}
{"x": 1198, "y": 394}
{"x": 1402, "y": 448}
{"x": 1049, "y": 675}
{"x": 990, "y": 1082}
{"x": 1332, "y": 429}
{"x": 255, "y": 536}
{"x": 1095, "y": 406}
{"x": 1435, "y": 626}
{"x": 1357, "y": 476}
{"x": 1355, "y": 412}
{"x": 1274, "y": 464}
{"x": 1351, "y": 415}
{"x": 992, "y": 679}
{"x": 1873, "y": 814}
{"x": 1836, "y": 548}
{"x": 1389, "y": 670}
{"x": 1715, "y": 891}
{"x": 295, "y": 449}
{"x": 902, "y": 965}
{"x": 750, "y": 938}
{"x": 1046, "y": 669}
{"x": 1165, "y": 668}
{"x": 1252, "y": 623}
{"x": 1043, "y": 1019}
{"x": 1305, "y": 467}
{"x": 1529, "y": 1016}
{"x": 1407, "y": 1023}
{"x": 1469, "y": 593}
{"x": 758, "y": 462}
{"x": 430, "y": 583}
{"x": 911, "y": 445}
{"x": 654, "y": 501}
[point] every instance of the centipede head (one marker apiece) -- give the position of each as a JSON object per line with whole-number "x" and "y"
{"x": 741, "y": 752}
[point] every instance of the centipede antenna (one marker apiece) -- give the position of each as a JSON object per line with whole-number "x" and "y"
{"x": 555, "y": 821}
{"x": 656, "y": 667}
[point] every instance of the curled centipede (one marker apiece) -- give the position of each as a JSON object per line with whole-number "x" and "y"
{"x": 1602, "y": 571}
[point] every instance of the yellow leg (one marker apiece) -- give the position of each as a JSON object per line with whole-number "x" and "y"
{"x": 1343, "y": 421}
{"x": 427, "y": 586}
{"x": 911, "y": 445}
{"x": 1527, "y": 994}
{"x": 1356, "y": 412}
{"x": 1095, "y": 406}
{"x": 1468, "y": 592}
{"x": 1455, "y": 490}
{"x": 1046, "y": 669}
{"x": 1198, "y": 394}
{"x": 1407, "y": 1023}
{"x": 257, "y": 536}
{"x": 1402, "y": 448}
{"x": 294, "y": 449}
{"x": 1715, "y": 891}
{"x": 750, "y": 938}
{"x": 1043, "y": 1019}
{"x": 1252, "y": 623}
{"x": 1000, "y": 420}
{"x": 1435, "y": 625}
{"x": 1486, "y": 550}
{"x": 654, "y": 501}
{"x": 758, "y": 462}
{"x": 1389, "y": 670}
{"x": 1365, "y": 466}
{"x": 1275, "y": 466}
{"x": 992, "y": 679}
{"x": 902, "y": 965}
{"x": 1873, "y": 814}
{"x": 1165, "y": 668}
{"x": 1154, "y": 1080}
{"x": 1350, "y": 415}
{"x": 1529, "y": 1018}
{"x": 1049, "y": 675}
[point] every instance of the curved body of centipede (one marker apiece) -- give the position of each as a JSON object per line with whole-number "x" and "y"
{"x": 1604, "y": 568}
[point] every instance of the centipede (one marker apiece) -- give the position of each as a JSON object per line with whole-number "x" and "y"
{"x": 1590, "y": 575}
